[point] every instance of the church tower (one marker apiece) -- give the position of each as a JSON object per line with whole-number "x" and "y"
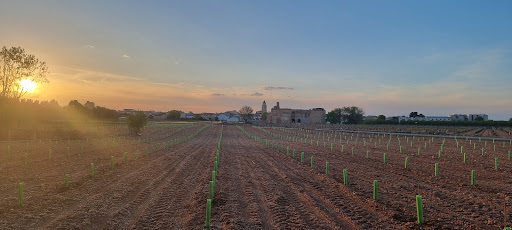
{"x": 264, "y": 107}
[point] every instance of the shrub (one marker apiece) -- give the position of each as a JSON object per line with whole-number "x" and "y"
{"x": 136, "y": 122}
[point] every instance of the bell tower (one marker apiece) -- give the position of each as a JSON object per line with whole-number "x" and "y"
{"x": 264, "y": 107}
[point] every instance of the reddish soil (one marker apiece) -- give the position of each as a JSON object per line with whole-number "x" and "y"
{"x": 164, "y": 190}
{"x": 258, "y": 186}
{"x": 450, "y": 202}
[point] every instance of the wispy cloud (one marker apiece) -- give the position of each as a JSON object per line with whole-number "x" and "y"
{"x": 126, "y": 56}
{"x": 483, "y": 65}
{"x": 276, "y": 88}
{"x": 88, "y": 46}
{"x": 256, "y": 94}
{"x": 217, "y": 94}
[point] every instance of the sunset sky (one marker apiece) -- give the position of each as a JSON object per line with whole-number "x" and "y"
{"x": 387, "y": 57}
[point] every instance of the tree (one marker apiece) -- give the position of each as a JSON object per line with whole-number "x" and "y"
{"x": 381, "y": 118}
{"x": 479, "y": 118}
{"x": 198, "y": 117}
{"x": 264, "y": 116}
{"x": 16, "y": 65}
{"x": 104, "y": 113}
{"x": 174, "y": 115}
{"x": 245, "y": 113}
{"x": 352, "y": 115}
{"x": 334, "y": 117}
{"x": 136, "y": 122}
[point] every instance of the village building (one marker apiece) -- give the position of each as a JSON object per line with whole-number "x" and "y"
{"x": 285, "y": 116}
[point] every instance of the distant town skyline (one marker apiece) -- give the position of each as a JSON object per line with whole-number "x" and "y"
{"x": 391, "y": 58}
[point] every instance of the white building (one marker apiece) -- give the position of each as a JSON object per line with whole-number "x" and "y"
{"x": 222, "y": 117}
{"x": 472, "y": 117}
{"x": 438, "y": 118}
{"x": 233, "y": 119}
{"x": 407, "y": 118}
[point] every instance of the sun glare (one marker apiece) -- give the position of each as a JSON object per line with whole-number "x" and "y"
{"x": 28, "y": 85}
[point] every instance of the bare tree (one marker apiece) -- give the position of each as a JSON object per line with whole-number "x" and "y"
{"x": 16, "y": 65}
{"x": 245, "y": 112}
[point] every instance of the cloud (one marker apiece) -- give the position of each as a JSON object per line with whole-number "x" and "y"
{"x": 217, "y": 94}
{"x": 88, "y": 46}
{"x": 126, "y": 56}
{"x": 276, "y": 88}
{"x": 256, "y": 94}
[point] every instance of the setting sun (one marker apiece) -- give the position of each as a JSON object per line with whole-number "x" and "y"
{"x": 28, "y": 85}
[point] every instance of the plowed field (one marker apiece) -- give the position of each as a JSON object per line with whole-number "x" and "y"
{"x": 161, "y": 181}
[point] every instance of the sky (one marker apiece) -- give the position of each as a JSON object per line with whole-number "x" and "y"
{"x": 387, "y": 57}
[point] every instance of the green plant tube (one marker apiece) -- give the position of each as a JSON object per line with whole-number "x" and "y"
{"x": 385, "y": 157}
{"x": 311, "y": 161}
{"x": 208, "y": 212}
{"x": 375, "y": 190}
{"x": 293, "y": 153}
{"x": 302, "y": 157}
{"x": 472, "y": 177}
{"x": 406, "y": 162}
{"x": 214, "y": 175}
{"x": 436, "y": 169}
{"x": 212, "y": 187}
{"x": 92, "y": 170}
{"x": 332, "y": 146}
{"x": 367, "y": 153}
{"x": 342, "y": 148}
{"x": 345, "y": 177}
{"x": 464, "y": 158}
{"x": 419, "y": 209}
{"x": 66, "y": 181}
{"x": 20, "y": 194}
{"x": 439, "y": 154}
{"x": 111, "y": 162}
{"x": 496, "y": 163}
{"x": 483, "y": 152}
{"x": 508, "y": 154}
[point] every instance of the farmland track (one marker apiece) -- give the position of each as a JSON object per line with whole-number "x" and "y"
{"x": 292, "y": 195}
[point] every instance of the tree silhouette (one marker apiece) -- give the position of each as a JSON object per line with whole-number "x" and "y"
{"x": 352, "y": 115}
{"x": 174, "y": 115}
{"x": 334, "y": 117}
{"x": 16, "y": 65}
{"x": 136, "y": 122}
{"x": 245, "y": 112}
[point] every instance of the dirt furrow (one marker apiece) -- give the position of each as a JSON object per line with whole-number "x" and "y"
{"x": 121, "y": 203}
